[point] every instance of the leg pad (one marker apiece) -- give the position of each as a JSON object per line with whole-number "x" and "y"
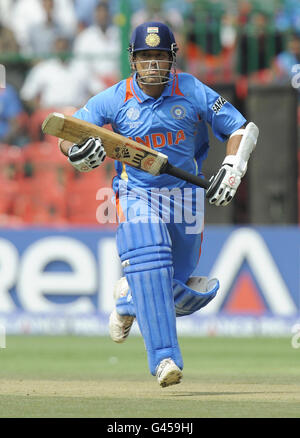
{"x": 145, "y": 252}
{"x": 194, "y": 295}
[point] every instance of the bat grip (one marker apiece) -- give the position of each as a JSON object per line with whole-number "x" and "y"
{"x": 189, "y": 177}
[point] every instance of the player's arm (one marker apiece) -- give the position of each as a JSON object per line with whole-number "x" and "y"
{"x": 228, "y": 124}
{"x": 224, "y": 184}
{"x": 233, "y": 143}
{"x": 89, "y": 154}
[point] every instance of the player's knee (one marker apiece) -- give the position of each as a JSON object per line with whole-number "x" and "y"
{"x": 144, "y": 245}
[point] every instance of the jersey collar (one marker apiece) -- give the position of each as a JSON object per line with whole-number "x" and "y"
{"x": 170, "y": 89}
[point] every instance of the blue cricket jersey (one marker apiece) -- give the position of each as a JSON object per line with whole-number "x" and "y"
{"x": 174, "y": 124}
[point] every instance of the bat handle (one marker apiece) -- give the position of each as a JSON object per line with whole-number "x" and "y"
{"x": 189, "y": 177}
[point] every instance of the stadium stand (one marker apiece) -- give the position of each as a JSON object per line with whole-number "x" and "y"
{"x": 37, "y": 184}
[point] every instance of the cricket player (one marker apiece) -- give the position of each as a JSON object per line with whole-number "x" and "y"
{"x": 158, "y": 247}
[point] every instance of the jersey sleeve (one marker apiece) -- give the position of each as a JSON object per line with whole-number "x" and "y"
{"x": 101, "y": 108}
{"x": 222, "y": 116}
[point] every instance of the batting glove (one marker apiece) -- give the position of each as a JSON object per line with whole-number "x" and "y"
{"x": 88, "y": 155}
{"x": 224, "y": 185}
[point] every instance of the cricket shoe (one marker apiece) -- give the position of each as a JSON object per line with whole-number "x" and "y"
{"x": 168, "y": 373}
{"x": 119, "y": 326}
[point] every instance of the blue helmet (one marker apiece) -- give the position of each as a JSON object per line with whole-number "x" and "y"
{"x": 153, "y": 35}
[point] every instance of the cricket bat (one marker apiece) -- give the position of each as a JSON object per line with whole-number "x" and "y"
{"x": 117, "y": 147}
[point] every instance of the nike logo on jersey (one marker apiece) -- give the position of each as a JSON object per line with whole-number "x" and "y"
{"x": 159, "y": 140}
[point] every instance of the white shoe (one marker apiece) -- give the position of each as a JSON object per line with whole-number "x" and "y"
{"x": 168, "y": 373}
{"x": 119, "y": 326}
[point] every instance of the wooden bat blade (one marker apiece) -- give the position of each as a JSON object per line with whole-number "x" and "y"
{"x": 116, "y": 146}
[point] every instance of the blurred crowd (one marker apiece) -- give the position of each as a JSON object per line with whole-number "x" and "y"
{"x": 58, "y": 53}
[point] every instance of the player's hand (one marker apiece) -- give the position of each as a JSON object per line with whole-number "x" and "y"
{"x": 224, "y": 185}
{"x": 88, "y": 155}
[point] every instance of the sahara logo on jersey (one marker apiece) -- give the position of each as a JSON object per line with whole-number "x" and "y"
{"x": 159, "y": 139}
{"x": 218, "y": 104}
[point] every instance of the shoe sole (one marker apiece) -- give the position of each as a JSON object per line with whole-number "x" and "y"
{"x": 172, "y": 378}
{"x": 121, "y": 339}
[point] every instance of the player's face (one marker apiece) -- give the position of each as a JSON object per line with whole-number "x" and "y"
{"x": 153, "y": 66}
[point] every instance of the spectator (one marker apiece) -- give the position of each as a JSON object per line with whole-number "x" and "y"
{"x": 5, "y": 9}
{"x": 244, "y": 9}
{"x": 42, "y": 35}
{"x": 287, "y": 66}
{"x": 8, "y": 43}
{"x": 228, "y": 32}
{"x": 84, "y": 12}
{"x": 57, "y": 82}
{"x": 287, "y": 16}
{"x": 27, "y": 13}
{"x": 228, "y": 40}
{"x": 98, "y": 48}
{"x": 157, "y": 10}
{"x": 285, "y": 61}
{"x": 210, "y": 38}
{"x": 10, "y": 116}
{"x": 258, "y": 46}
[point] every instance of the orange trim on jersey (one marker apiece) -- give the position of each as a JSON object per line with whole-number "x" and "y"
{"x": 200, "y": 246}
{"x": 177, "y": 90}
{"x": 175, "y": 87}
{"x": 128, "y": 93}
{"x": 133, "y": 90}
{"x": 119, "y": 209}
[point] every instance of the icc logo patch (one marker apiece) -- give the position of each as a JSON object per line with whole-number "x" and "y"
{"x": 133, "y": 113}
{"x": 178, "y": 112}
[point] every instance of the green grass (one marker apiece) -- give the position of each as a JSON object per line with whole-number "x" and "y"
{"x": 93, "y": 377}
